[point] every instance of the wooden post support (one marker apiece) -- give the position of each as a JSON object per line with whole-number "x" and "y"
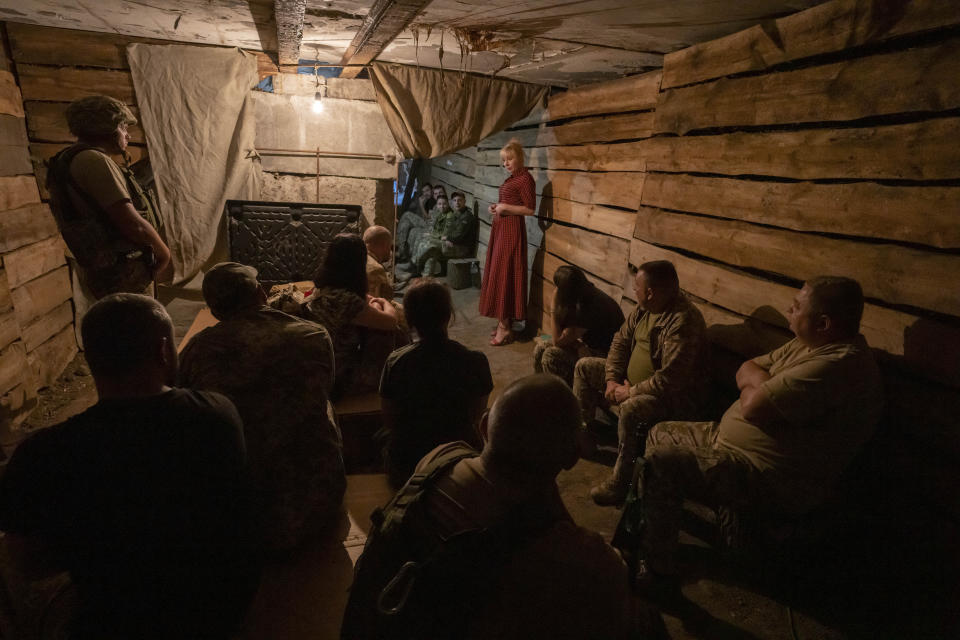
{"x": 289, "y": 17}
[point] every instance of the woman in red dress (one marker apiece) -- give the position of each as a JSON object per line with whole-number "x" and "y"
{"x": 504, "y": 292}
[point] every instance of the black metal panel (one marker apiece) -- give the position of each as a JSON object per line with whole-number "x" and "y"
{"x": 286, "y": 241}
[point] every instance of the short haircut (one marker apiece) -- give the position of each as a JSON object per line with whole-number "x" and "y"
{"x": 441, "y": 187}
{"x": 428, "y": 308}
{"x": 533, "y": 426}
{"x": 122, "y": 332}
{"x": 376, "y": 234}
{"x": 458, "y": 193}
{"x": 426, "y": 184}
{"x": 661, "y": 274}
{"x": 515, "y": 149}
{"x": 840, "y": 299}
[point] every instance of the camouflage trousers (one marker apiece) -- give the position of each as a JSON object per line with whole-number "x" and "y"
{"x": 636, "y": 414}
{"x": 683, "y": 460}
{"x": 409, "y": 231}
{"x": 560, "y": 361}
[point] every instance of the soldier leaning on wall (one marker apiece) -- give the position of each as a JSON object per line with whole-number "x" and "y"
{"x": 107, "y": 220}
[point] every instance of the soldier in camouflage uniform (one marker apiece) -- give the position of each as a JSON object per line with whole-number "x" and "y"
{"x": 279, "y": 371}
{"x": 805, "y": 409}
{"x": 452, "y": 236}
{"x": 107, "y": 220}
{"x": 655, "y": 370}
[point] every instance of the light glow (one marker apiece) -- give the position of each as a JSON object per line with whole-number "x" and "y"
{"x": 318, "y": 103}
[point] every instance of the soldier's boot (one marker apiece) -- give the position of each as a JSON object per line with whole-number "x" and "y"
{"x": 613, "y": 491}
{"x": 431, "y": 267}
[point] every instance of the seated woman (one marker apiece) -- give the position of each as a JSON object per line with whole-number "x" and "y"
{"x": 585, "y": 320}
{"x": 433, "y": 391}
{"x": 364, "y": 329}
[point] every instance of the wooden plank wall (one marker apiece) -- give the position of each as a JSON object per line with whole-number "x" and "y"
{"x": 36, "y": 317}
{"x": 829, "y": 148}
{"x": 823, "y": 142}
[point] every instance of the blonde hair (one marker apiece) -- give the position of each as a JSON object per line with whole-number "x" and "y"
{"x": 515, "y": 149}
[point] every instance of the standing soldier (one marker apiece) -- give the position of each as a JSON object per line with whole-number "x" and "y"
{"x": 107, "y": 220}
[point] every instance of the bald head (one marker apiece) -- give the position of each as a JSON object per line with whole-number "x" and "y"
{"x": 378, "y": 240}
{"x": 532, "y": 427}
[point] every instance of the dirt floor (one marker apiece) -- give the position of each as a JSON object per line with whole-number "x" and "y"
{"x": 792, "y": 591}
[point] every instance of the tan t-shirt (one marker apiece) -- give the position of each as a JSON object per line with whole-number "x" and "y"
{"x": 640, "y": 365}
{"x": 378, "y": 282}
{"x": 100, "y": 177}
{"x": 830, "y": 399}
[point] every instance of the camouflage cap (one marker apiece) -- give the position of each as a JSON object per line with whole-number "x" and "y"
{"x": 229, "y": 287}
{"x": 96, "y": 116}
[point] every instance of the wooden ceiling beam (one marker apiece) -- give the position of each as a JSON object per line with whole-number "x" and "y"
{"x": 288, "y": 15}
{"x": 387, "y": 18}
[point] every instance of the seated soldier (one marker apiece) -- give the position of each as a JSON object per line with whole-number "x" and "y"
{"x": 545, "y": 577}
{"x": 460, "y": 230}
{"x": 805, "y": 409}
{"x": 416, "y": 217}
{"x": 425, "y": 244}
{"x": 418, "y": 417}
{"x": 654, "y": 371}
{"x": 379, "y": 245}
{"x": 278, "y": 371}
{"x": 144, "y": 497}
{"x": 585, "y": 320}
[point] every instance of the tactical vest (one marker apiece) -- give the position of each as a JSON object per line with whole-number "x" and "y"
{"x": 108, "y": 262}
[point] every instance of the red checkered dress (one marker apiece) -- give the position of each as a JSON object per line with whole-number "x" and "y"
{"x": 504, "y": 291}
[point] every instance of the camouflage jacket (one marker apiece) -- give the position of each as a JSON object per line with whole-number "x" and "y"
{"x": 278, "y": 371}
{"x": 678, "y": 349}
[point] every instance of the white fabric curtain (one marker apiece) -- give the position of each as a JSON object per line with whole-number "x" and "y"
{"x": 197, "y": 112}
{"x": 432, "y": 113}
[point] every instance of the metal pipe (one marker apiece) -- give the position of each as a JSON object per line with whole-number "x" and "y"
{"x": 317, "y": 152}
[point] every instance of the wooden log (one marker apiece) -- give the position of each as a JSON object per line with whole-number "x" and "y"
{"x": 64, "y": 84}
{"x": 50, "y": 359}
{"x": 47, "y": 325}
{"x": 931, "y": 351}
{"x": 18, "y": 191}
{"x": 14, "y": 160}
{"x": 827, "y": 28}
{"x": 6, "y": 301}
{"x": 459, "y": 274}
{"x": 11, "y": 100}
{"x": 47, "y": 122}
{"x": 890, "y": 83}
{"x": 604, "y": 256}
{"x": 9, "y": 328}
{"x": 456, "y": 163}
{"x": 25, "y": 225}
{"x": 34, "y": 44}
{"x": 34, "y": 260}
{"x": 923, "y": 215}
{"x": 41, "y": 295}
{"x": 12, "y": 131}
{"x": 738, "y": 334}
{"x": 893, "y": 273}
{"x": 631, "y": 126}
{"x": 546, "y": 264}
{"x": 16, "y": 405}
{"x": 633, "y": 93}
{"x": 917, "y": 151}
{"x": 623, "y": 156}
{"x": 614, "y": 222}
{"x": 13, "y": 366}
{"x": 459, "y": 182}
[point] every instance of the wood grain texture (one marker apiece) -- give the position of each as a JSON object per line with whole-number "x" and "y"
{"x": 614, "y": 222}
{"x": 25, "y": 225}
{"x": 34, "y": 260}
{"x": 624, "y": 156}
{"x": 603, "y": 256}
{"x": 631, "y": 126}
{"x": 13, "y": 366}
{"x": 633, "y": 93}
{"x": 11, "y": 100}
{"x": 50, "y": 359}
{"x": 900, "y": 82}
{"x": 41, "y": 295}
{"x": 14, "y": 160}
{"x": 9, "y": 328}
{"x": 12, "y": 131}
{"x": 546, "y": 264}
{"x": 456, "y": 163}
{"x": 925, "y": 215}
{"x": 916, "y": 151}
{"x": 18, "y": 191}
{"x": 47, "y": 326}
{"x": 892, "y": 273}
{"x": 827, "y": 28}
{"x": 64, "y": 84}
{"x": 47, "y": 122}
{"x": 459, "y": 182}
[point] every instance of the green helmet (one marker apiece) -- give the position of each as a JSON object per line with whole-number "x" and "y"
{"x": 97, "y": 116}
